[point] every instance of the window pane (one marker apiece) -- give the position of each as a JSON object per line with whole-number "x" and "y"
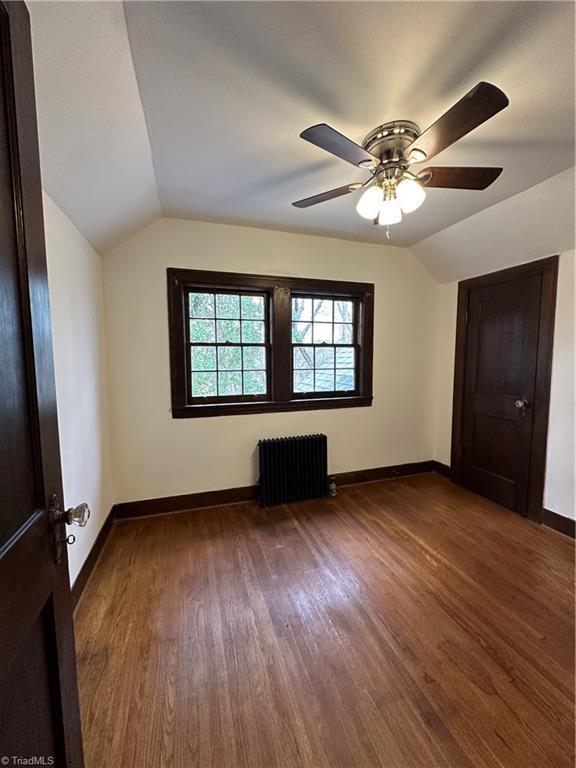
{"x": 253, "y": 332}
{"x": 344, "y": 380}
{"x": 325, "y": 357}
{"x": 254, "y": 382}
{"x": 255, "y": 357}
{"x": 204, "y": 385}
{"x": 322, "y": 333}
{"x": 230, "y": 383}
{"x": 343, "y": 311}
{"x": 301, "y": 309}
{"x": 302, "y": 333}
{"x": 252, "y": 307}
{"x": 229, "y": 358}
{"x": 342, "y": 333}
{"x": 303, "y": 381}
{"x": 201, "y": 304}
{"x": 345, "y": 358}
{"x": 303, "y": 357}
{"x": 323, "y": 309}
{"x": 202, "y": 331}
{"x": 227, "y": 305}
{"x": 323, "y": 381}
{"x": 203, "y": 358}
{"x": 228, "y": 330}
{"x": 332, "y": 322}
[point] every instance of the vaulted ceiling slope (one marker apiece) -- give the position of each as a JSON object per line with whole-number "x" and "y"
{"x": 94, "y": 148}
{"x": 534, "y": 223}
{"x": 195, "y": 108}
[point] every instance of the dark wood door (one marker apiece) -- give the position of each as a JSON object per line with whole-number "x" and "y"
{"x": 499, "y": 394}
{"x": 39, "y": 714}
{"x": 505, "y": 349}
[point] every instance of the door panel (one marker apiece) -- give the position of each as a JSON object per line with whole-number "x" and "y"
{"x": 500, "y": 337}
{"x": 29, "y": 670}
{"x": 504, "y": 342}
{"x": 494, "y": 444}
{"x": 19, "y": 496}
{"x": 39, "y": 713}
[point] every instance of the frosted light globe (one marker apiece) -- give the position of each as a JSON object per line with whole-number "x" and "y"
{"x": 410, "y": 195}
{"x": 390, "y": 213}
{"x": 370, "y": 202}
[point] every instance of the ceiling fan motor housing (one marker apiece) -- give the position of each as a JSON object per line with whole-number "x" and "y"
{"x": 389, "y": 141}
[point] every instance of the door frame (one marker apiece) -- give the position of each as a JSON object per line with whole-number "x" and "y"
{"x": 548, "y": 270}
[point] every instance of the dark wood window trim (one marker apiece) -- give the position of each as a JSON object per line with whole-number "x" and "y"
{"x": 548, "y": 270}
{"x": 278, "y": 291}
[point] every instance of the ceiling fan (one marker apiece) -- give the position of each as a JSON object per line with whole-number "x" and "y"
{"x": 390, "y": 150}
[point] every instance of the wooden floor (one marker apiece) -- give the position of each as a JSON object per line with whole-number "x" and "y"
{"x": 402, "y": 623}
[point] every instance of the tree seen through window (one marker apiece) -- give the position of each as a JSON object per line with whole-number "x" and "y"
{"x": 323, "y": 352}
{"x": 228, "y": 339}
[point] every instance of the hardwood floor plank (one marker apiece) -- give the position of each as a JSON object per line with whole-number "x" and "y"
{"x": 400, "y": 624}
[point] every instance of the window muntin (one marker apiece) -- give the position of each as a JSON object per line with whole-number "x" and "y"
{"x": 324, "y": 353}
{"x": 228, "y": 345}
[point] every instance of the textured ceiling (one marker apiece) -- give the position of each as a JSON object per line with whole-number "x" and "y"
{"x": 534, "y": 223}
{"x": 94, "y": 149}
{"x": 228, "y": 86}
{"x": 219, "y": 92}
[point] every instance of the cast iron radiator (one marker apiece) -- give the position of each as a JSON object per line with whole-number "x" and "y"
{"x": 293, "y": 468}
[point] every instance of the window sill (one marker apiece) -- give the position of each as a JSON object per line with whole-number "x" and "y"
{"x": 268, "y": 406}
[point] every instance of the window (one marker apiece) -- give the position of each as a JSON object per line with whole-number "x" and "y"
{"x": 249, "y": 343}
{"x": 228, "y": 346}
{"x": 323, "y": 345}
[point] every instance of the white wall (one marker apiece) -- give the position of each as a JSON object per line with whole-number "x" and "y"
{"x": 443, "y": 369}
{"x": 560, "y": 464}
{"x": 155, "y": 455}
{"x": 559, "y": 495}
{"x": 76, "y": 302}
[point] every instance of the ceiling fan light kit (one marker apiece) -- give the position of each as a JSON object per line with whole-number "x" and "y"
{"x": 390, "y": 150}
{"x": 390, "y": 197}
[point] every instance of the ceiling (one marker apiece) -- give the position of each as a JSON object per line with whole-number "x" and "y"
{"x": 535, "y": 223}
{"x": 194, "y": 109}
{"x": 94, "y": 150}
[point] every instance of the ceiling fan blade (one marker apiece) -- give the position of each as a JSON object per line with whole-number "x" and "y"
{"x": 460, "y": 178}
{"x": 482, "y": 102}
{"x": 330, "y": 195}
{"x": 327, "y": 138}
